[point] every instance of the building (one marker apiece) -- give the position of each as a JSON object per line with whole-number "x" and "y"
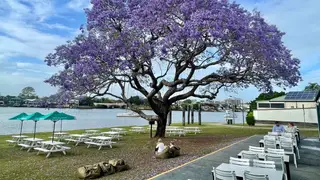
{"x": 302, "y": 99}
{"x": 293, "y": 107}
{"x": 233, "y": 101}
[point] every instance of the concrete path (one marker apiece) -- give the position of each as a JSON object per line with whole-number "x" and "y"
{"x": 308, "y": 165}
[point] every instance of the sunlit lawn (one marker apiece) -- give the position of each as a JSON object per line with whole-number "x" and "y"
{"x": 135, "y": 149}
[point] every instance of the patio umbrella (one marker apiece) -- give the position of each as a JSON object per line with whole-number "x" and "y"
{"x": 66, "y": 117}
{"x": 19, "y": 117}
{"x": 34, "y": 117}
{"x": 56, "y": 116}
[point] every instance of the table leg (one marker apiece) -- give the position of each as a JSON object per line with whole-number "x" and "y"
{"x": 288, "y": 170}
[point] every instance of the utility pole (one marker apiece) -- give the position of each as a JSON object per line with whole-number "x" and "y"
{"x": 242, "y": 112}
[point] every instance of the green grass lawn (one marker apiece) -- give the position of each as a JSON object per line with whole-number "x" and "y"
{"x": 135, "y": 149}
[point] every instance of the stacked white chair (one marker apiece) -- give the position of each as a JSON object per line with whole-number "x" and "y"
{"x": 269, "y": 142}
{"x": 256, "y": 149}
{"x": 264, "y": 164}
{"x": 288, "y": 147}
{"x": 279, "y": 162}
{"x": 251, "y": 176}
{"x": 223, "y": 175}
{"x": 240, "y": 162}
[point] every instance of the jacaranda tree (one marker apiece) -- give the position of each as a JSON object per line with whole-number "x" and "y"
{"x": 170, "y": 50}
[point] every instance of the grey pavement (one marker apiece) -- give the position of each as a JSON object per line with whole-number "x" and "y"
{"x": 308, "y": 165}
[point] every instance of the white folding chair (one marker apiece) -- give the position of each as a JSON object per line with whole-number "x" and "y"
{"x": 288, "y": 149}
{"x": 269, "y": 137}
{"x": 223, "y": 174}
{"x": 268, "y": 143}
{"x": 256, "y": 149}
{"x": 251, "y": 176}
{"x": 249, "y": 155}
{"x": 279, "y": 163}
{"x": 240, "y": 162}
{"x": 294, "y": 142}
{"x": 264, "y": 164}
{"x": 276, "y": 151}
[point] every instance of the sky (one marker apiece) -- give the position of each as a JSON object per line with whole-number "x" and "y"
{"x": 31, "y": 29}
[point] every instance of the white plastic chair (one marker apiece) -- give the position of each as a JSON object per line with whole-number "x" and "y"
{"x": 294, "y": 142}
{"x": 264, "y": 164}
{"x": 256, "y": 149}
{"x": 249, "y": 155}
{"x": 289, "y": 149}
{"x": 268, "y": 143}
{"x": 269, "y": 137}
{"x": 223, "y": 174}
{"x": 279, "y": 163}
{"x": 276, "y": 151}
{"x": 240, "y": 162}
{"x": 251, "y": 176}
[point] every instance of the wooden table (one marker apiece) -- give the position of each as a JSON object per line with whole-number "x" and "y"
{"x": 194, "y": 130}
{"x": 51, "y": 146}
{"x": 16, "y": 139}
{"x": 112, "y": 134}
{"x": 77, "y": 138}
{"x": 100, "y": 141}
{"x": 239, "y": 171}
{"x": 30, "y": 143}
{"x": 286, "y": 159}
{"x": 138, "y": 129}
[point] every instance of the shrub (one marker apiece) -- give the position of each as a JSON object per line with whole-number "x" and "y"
{"x": 250, "y": 119}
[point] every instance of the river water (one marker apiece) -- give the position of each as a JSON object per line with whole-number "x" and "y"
{"x": 91, "y": 118}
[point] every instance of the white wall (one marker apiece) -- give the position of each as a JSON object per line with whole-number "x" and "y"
{"x": 287, "y": 115}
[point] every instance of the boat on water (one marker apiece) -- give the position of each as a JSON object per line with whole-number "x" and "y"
{"x": 128, "y": 114}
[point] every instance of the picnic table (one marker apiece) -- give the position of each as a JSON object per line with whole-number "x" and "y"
{"x": 262, "y": 155}
{"x": 138, "y": 129}
{"x": 51, "y": 146}
{"x": 77, "y": 138}
{"x": 176, "y": 131}
{"x": 92, "y": 132}
{"x": 100, "y": 141}
{"x": 112, "y": 134}
{"x": 194, "y": 130}
{"x": 120, "y": 130}
{"x": 16, "y": 139}
{"x": 30, "y": 143}
{"x": 60, "y": 135}
{"x": 239, "y": 171}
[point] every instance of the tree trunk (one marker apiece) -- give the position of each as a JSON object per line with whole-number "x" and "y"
{"x": 161, "y": 127}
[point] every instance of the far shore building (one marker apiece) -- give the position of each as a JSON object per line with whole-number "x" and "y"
{"x": 298, "y": 106}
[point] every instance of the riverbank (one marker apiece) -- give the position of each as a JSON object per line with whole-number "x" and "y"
{"x": 135, "y": 149}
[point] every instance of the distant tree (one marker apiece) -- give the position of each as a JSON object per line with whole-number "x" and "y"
{"x": 136, "y": 100}
{"x": 265, "y": 96}
{"x": 86, "y": 101}
{"x": 312, "y": 87}
{"x": 28, "y": 93}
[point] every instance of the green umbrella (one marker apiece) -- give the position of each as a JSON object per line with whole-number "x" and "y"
{"x": 56, "y": 116}
{"x": 19, "y": 117}
{"x": 34, "y": 117}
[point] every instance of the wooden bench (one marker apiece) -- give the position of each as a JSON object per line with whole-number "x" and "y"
{"x": 44, "y": 150}
{"x": 11, "y": 141}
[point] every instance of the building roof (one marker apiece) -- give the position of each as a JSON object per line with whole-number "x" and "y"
{"x": 298, "y": 96}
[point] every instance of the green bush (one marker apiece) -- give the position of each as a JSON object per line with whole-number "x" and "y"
{"x": 250, "y": 119}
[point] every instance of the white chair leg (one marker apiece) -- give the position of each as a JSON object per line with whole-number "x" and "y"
{"x": 297, "y": 149}
{"x": 285, "y": 176}
{"x": 295, "y": 160}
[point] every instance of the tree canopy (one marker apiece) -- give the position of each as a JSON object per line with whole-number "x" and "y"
{"x": 170, "y": 50}
{"x": 28, "y": 93}
{"x": 312, "y": 87}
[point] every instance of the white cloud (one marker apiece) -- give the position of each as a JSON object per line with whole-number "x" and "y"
{"x": 79, "y": 5}
{"x": 58, "y": 26}
{"x": 300, "y": 21}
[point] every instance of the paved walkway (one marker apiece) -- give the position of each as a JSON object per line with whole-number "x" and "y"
{"x": 308, "y": 165}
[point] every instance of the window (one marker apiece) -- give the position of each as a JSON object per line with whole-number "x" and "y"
{"x": 263, "y": 105}
{"x": 277, "y": 105}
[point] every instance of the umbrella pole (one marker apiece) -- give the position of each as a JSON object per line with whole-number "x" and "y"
{"x": 21, "y": 124}
{"x": 61, "y": 126}
{"x": 54, "y": 126}
{"x": 34, "y": 130}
